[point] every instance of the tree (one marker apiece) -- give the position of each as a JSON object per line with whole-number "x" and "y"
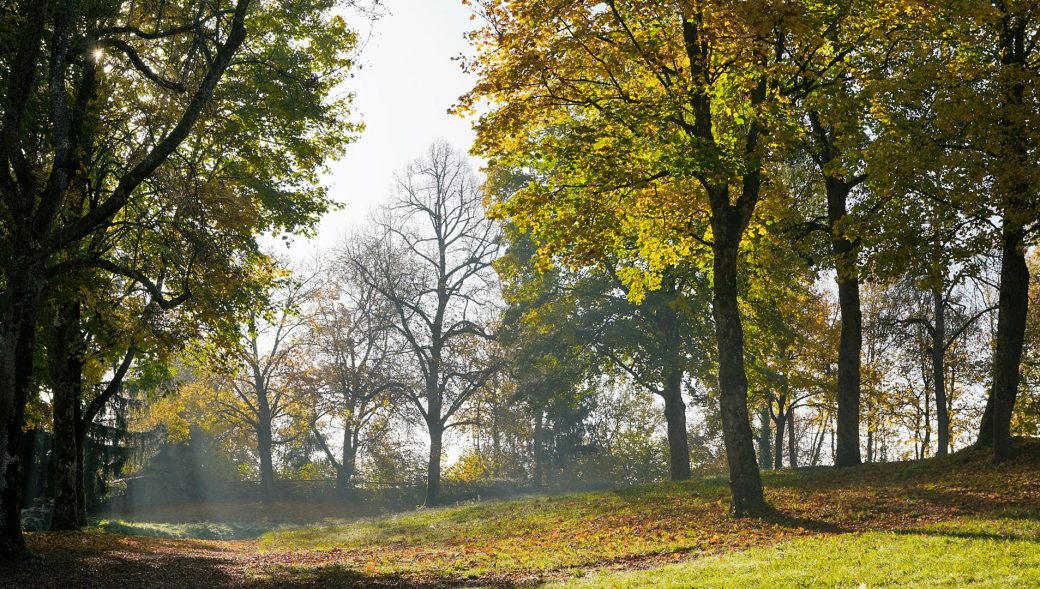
{"x": 263, "y": 376}
{"x": 979, "y": 54}
{"x": 185, "y": 238}
{"x": 652, "y": 124}
{"x": 791, "y": 337}
{"x": 548, "y": 354}
{"x": 46, "y": 133}
{"x": 355, "y": 358}
{"x": 656, "y": 343}
{"x": 431, "y": 262}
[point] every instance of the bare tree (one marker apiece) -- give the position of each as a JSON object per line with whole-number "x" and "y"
{"x": 431, "y": 261}
{"x": 264, "y": 375}
{"x": 355, "y": 357}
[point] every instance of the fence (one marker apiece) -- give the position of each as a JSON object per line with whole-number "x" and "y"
{"x": 137, "y": 493}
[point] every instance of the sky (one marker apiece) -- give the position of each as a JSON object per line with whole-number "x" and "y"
{"x": 403, "y": 88}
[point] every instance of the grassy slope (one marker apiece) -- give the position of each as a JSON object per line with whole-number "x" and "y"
{"x": 960, "y": 521}
{"x": 569, "y": 535}
{"x": 996, "y": 553}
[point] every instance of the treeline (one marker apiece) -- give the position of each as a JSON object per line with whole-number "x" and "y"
{"x": 554, "y": 376}
{"x": 879, "y": 141}
{"x": 399, "y": 338}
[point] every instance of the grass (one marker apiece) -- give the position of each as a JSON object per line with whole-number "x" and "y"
{"x": 206, "y": 530}
{"x": 958, "y": 521}
{"x": 965, "y": 553}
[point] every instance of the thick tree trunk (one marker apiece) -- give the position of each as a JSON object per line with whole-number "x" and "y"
{"x": 433, "y": 467}
{"x": 675, "y": 417}
{"x": 765, "y": 439}
{"x": 65, "y": 364}
{"x": 942, "y": 415}
{"x": 851, "y": 337}
{"x": 18, "y": 310}
{"x": 12, "y": 543}
{"x": 81, "y": 491}
{"x": 744, "y": 479}
{"x": 1010, "y": 336}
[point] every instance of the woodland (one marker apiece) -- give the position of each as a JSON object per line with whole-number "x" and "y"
{"x": 722, "y": 293}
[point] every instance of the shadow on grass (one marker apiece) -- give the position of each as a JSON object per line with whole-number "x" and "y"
{"x": 787, "y": 520}
{"x": 341, "y": 576}
{"x": 971, "y": 535}
{"x": 107, "y": 570}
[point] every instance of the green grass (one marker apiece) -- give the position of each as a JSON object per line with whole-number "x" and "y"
{"x": 531, "y": 534}
{"x": 960, "y": 521}
{"x": 997, "y": 553}
{"x": 832, "y": 529}
{"x": 208, "y": 530}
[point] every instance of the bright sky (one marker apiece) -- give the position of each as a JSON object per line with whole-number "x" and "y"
{"x": 406, "y": 82}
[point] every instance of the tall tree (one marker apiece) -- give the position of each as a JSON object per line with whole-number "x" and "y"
{"x": 186, "y": 235}
{"x": 979, "y": 53}
{"x": 652, "y": 124}
{"x": 431, "y": 261}
{"x": 356, "y": 376}
{"x": 50, "y": 117}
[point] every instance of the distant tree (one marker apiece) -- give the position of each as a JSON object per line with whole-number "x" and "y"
{"x": 249, "y": 393}
{"x": 430, "y": 260}
{"x": 354, "y": 356}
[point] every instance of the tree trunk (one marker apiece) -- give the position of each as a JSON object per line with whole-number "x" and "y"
{"x": 765, "y": 439}
{"x": 539, "y": 451}
{"x": 433, "y": 468}
{"x": 985, "y": 439}
{"x": 926, "y": 441}
{"x": 348, "y": 465}
{"x": 818, "y": 445}
{"x": 264, "y": 448}
{"x": 1013, "y": 187}
{"x": 18, "y": 310}
{"x": 1010, "y": 336}
{"x": 942, "y": 415}
{"x": 792, "y": 441}
{"x": 851, "y": 337}
{"x": 675, "y": 416}
{"x": 81, "y": 490}
{"x": 744, "y": 479}
{"x": 65, "y": 364}
{"x": 778, "y": 429}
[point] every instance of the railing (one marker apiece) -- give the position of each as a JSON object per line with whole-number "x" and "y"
{"x": 141, "y": 492}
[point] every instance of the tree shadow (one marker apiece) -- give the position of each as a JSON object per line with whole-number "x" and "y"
{"x": 777, "y": 517}
{"x": 105, "y": 570}
{"x": 348, "y": 578}
{"x": 970, "y": 535}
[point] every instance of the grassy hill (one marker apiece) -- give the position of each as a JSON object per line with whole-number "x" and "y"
{"x": 955, "y": 522}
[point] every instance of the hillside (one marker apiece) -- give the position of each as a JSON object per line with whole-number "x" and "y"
{"x": 958, "y": 521}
